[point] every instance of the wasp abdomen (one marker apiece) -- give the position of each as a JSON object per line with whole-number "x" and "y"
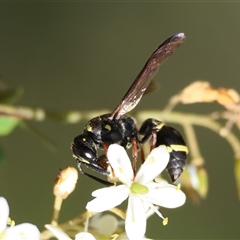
{"x": 172, "y": 139}
{"x": 176, "y": 164}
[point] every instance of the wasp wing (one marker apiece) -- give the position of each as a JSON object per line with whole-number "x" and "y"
{"x": 142, "y": 81}
{"x": 153, "y": 86}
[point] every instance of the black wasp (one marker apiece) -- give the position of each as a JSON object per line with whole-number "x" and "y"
{"x": 116, "y": 127}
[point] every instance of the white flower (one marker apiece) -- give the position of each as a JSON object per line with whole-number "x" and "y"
{"x": 143, "y": 191}
{"x": 60, "y": 235}
{"x": 26, "y": 231}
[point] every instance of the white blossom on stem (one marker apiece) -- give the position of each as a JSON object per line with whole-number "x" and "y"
{"x": 142, "y": 191}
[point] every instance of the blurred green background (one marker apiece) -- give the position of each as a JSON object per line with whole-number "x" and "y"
{"x": 84, "y": 56}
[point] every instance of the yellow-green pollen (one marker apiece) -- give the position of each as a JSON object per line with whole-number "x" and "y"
{"x": 138, "y": 188}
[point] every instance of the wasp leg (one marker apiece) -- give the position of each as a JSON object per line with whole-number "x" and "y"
{"x": 79, "y": 163}
{"x": 142, "y": 155}
{"x": 106, "y": 183}
{"x": 134, "y": 155}
{"x": 154, "y": 140}
{"x": 104, "y": 157}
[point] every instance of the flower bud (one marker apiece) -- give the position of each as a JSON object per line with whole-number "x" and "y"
{"x": 65, "y": 182}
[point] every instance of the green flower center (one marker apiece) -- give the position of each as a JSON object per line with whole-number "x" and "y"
{"x": 138, "y": 188}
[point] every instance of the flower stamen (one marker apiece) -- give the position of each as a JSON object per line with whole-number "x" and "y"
{"x": 10, "y": 222}
{"x": 165, "y": 221}
{"x": 114, "y": 236}
{"x": 178, "y": 187}
{"x": 154, "y": 208}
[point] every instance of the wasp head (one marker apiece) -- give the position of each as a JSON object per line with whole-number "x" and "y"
{"x": 84, "y": 149}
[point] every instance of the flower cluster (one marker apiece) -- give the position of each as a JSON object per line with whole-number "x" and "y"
{"x": 24, "y": 231}
{"x": 145, "y": 194}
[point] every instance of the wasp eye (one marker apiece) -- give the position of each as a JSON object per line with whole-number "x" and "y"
{"x": 83, "y": 147}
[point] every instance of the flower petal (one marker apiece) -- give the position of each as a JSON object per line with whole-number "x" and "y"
{"x": 165, "y": 195}
{"x": 107, "y": 198}
{"x": 24, "y": 231}
{"x": 123, "y": 236}
{"x": 120, "y": 163}
{"x": 84, "y": 236}
{"x": 57, "y": 232}
{"x": 155, "y": 163}
{"x": 135, "y": 224}
{"x": 108, "y": 191}
{"x": 4, "y": 213}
